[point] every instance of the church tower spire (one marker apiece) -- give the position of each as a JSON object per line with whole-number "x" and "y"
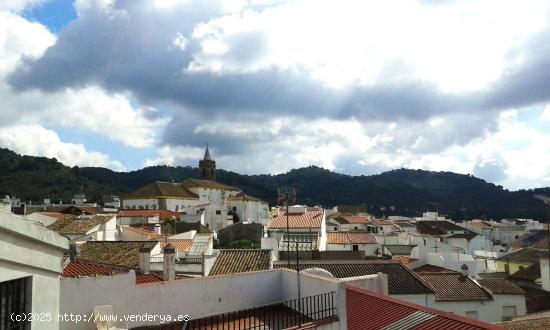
{"x": 207, "y": 166}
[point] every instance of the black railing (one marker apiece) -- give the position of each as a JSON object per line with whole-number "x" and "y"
{"x": 189, "y": 260}
{"x": 277, "y": 316}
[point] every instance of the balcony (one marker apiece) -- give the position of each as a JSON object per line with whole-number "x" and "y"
{"x": 306, "y": 312}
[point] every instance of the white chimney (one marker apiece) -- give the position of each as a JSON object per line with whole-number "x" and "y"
{"x": 169, "y": 266}
{"x": 545, "y": 273}
{"x": 157, "y": 228}
{"x": 145, "y": 260}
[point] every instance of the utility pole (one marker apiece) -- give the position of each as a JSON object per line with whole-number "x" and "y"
{"x": 286, "y": 193}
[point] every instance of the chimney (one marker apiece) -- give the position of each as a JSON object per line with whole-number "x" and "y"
{"x": 545, "y": 273}
{"x": 73, "y": 251}
{"x": 169, "y": 267}
{"x": 157, "y": 228}
{"x": 145, "y": 259}
{"x": 464, "y": 270}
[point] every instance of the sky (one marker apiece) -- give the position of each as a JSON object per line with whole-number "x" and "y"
{"x": 357, "y": 87}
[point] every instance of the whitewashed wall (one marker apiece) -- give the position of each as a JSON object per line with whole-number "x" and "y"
{"x": 27, "y": 249}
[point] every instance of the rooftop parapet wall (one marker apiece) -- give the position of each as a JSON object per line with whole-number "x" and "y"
{"x": 197, "y": 297}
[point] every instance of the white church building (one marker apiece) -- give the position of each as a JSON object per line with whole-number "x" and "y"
{"x": 222, "y": 205}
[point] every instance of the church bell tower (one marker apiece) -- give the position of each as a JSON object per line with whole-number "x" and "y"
{"x": 207, "y": 166}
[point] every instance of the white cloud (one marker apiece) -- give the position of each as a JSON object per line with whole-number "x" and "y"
{"x": 459, "y": 46}
{"x": 546, "y": 113}
{"x": 19, "y": 5}
{"x": 115, "y": 116}
{"x": 36, "y": 140}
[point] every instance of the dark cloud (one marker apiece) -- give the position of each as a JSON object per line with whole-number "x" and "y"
{"x": 132, "y": 50}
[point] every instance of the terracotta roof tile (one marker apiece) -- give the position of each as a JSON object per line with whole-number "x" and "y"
{"x": 178, "y": 244}
{"x": 351, "y": 238}
{"x": 148, "y": 278}
{"x": 386, "y": 312}
{"x": 308, "y": 219}
{"x": 499, "y": 286}
{"x": 56, "y": 215}
{"x": 355, "y": 219}
{"x": 439, "y": 227}
{"x": 405, "y": 260}
{"x": 401, "y": 279}
{"x": 433, "y": 269}
{"x": 241, "y": 261}
{"x": 381, "y": 222}
{"x": 84, "y": 268}
{"x": 119, "y": 253}
{"x": 454, "y": 287}
{"x": 527, "y": 324}
{"x": 76, "y": 226}
{"x": 162, "y": 190}
{"x": 146, "y": 234}
{"x": 81, "y": 268}
{"x": 525, "y": 255}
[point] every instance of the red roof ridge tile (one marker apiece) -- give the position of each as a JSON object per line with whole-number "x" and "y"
{"x": 447, "y": 315}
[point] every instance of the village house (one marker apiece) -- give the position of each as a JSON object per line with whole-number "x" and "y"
{"x": 203, "y": 200}
{"x": 306, "y": 226}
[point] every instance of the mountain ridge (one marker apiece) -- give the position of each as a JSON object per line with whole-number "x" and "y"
{"x": 410, "y": 192}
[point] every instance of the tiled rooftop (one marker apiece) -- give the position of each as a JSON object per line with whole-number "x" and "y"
{"x": 241, "y": 261}
{"x": 81, "y": 268}
{"x": 308, "y": 219}
{"x": 531, "y": 273}
{"x": 183, "y": 245}
{"x": 366, "y": 310}
{"x": 405, "y": 260}
{"x": 527, "y": 324}
{"x": 497, "y": 286}
{"x": 438, "y": 227}
{"x": 351, "y": 238}
{"x": 454, "y": 287}
{"x": 119, "y": 253}
{"x": 526, "y": 255}
{"x": 76, "y": 226}
{"x": 401, "y": 280}
{"x": 354, "y": 219}
{"x": 163, "y": 189}
{"x": 146, "y": 234}
{"x": 433, "y": 269}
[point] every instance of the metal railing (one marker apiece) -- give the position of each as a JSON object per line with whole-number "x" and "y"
{"x": 277, "y": 316}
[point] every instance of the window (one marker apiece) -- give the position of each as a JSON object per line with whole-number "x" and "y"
{"x": 521, "y": 267}
{"x": 355, "y": 247}
{"x": 471, "y": 315}
{"x": 14, "y": 299}
{"x": 335, "y": 228}
{"x": 508, "y": 312}
{"x": 355, "y": 228}
{"x": 218, "y": 212}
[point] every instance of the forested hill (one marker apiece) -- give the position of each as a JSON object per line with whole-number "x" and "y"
{"x": 410, "y": 192}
